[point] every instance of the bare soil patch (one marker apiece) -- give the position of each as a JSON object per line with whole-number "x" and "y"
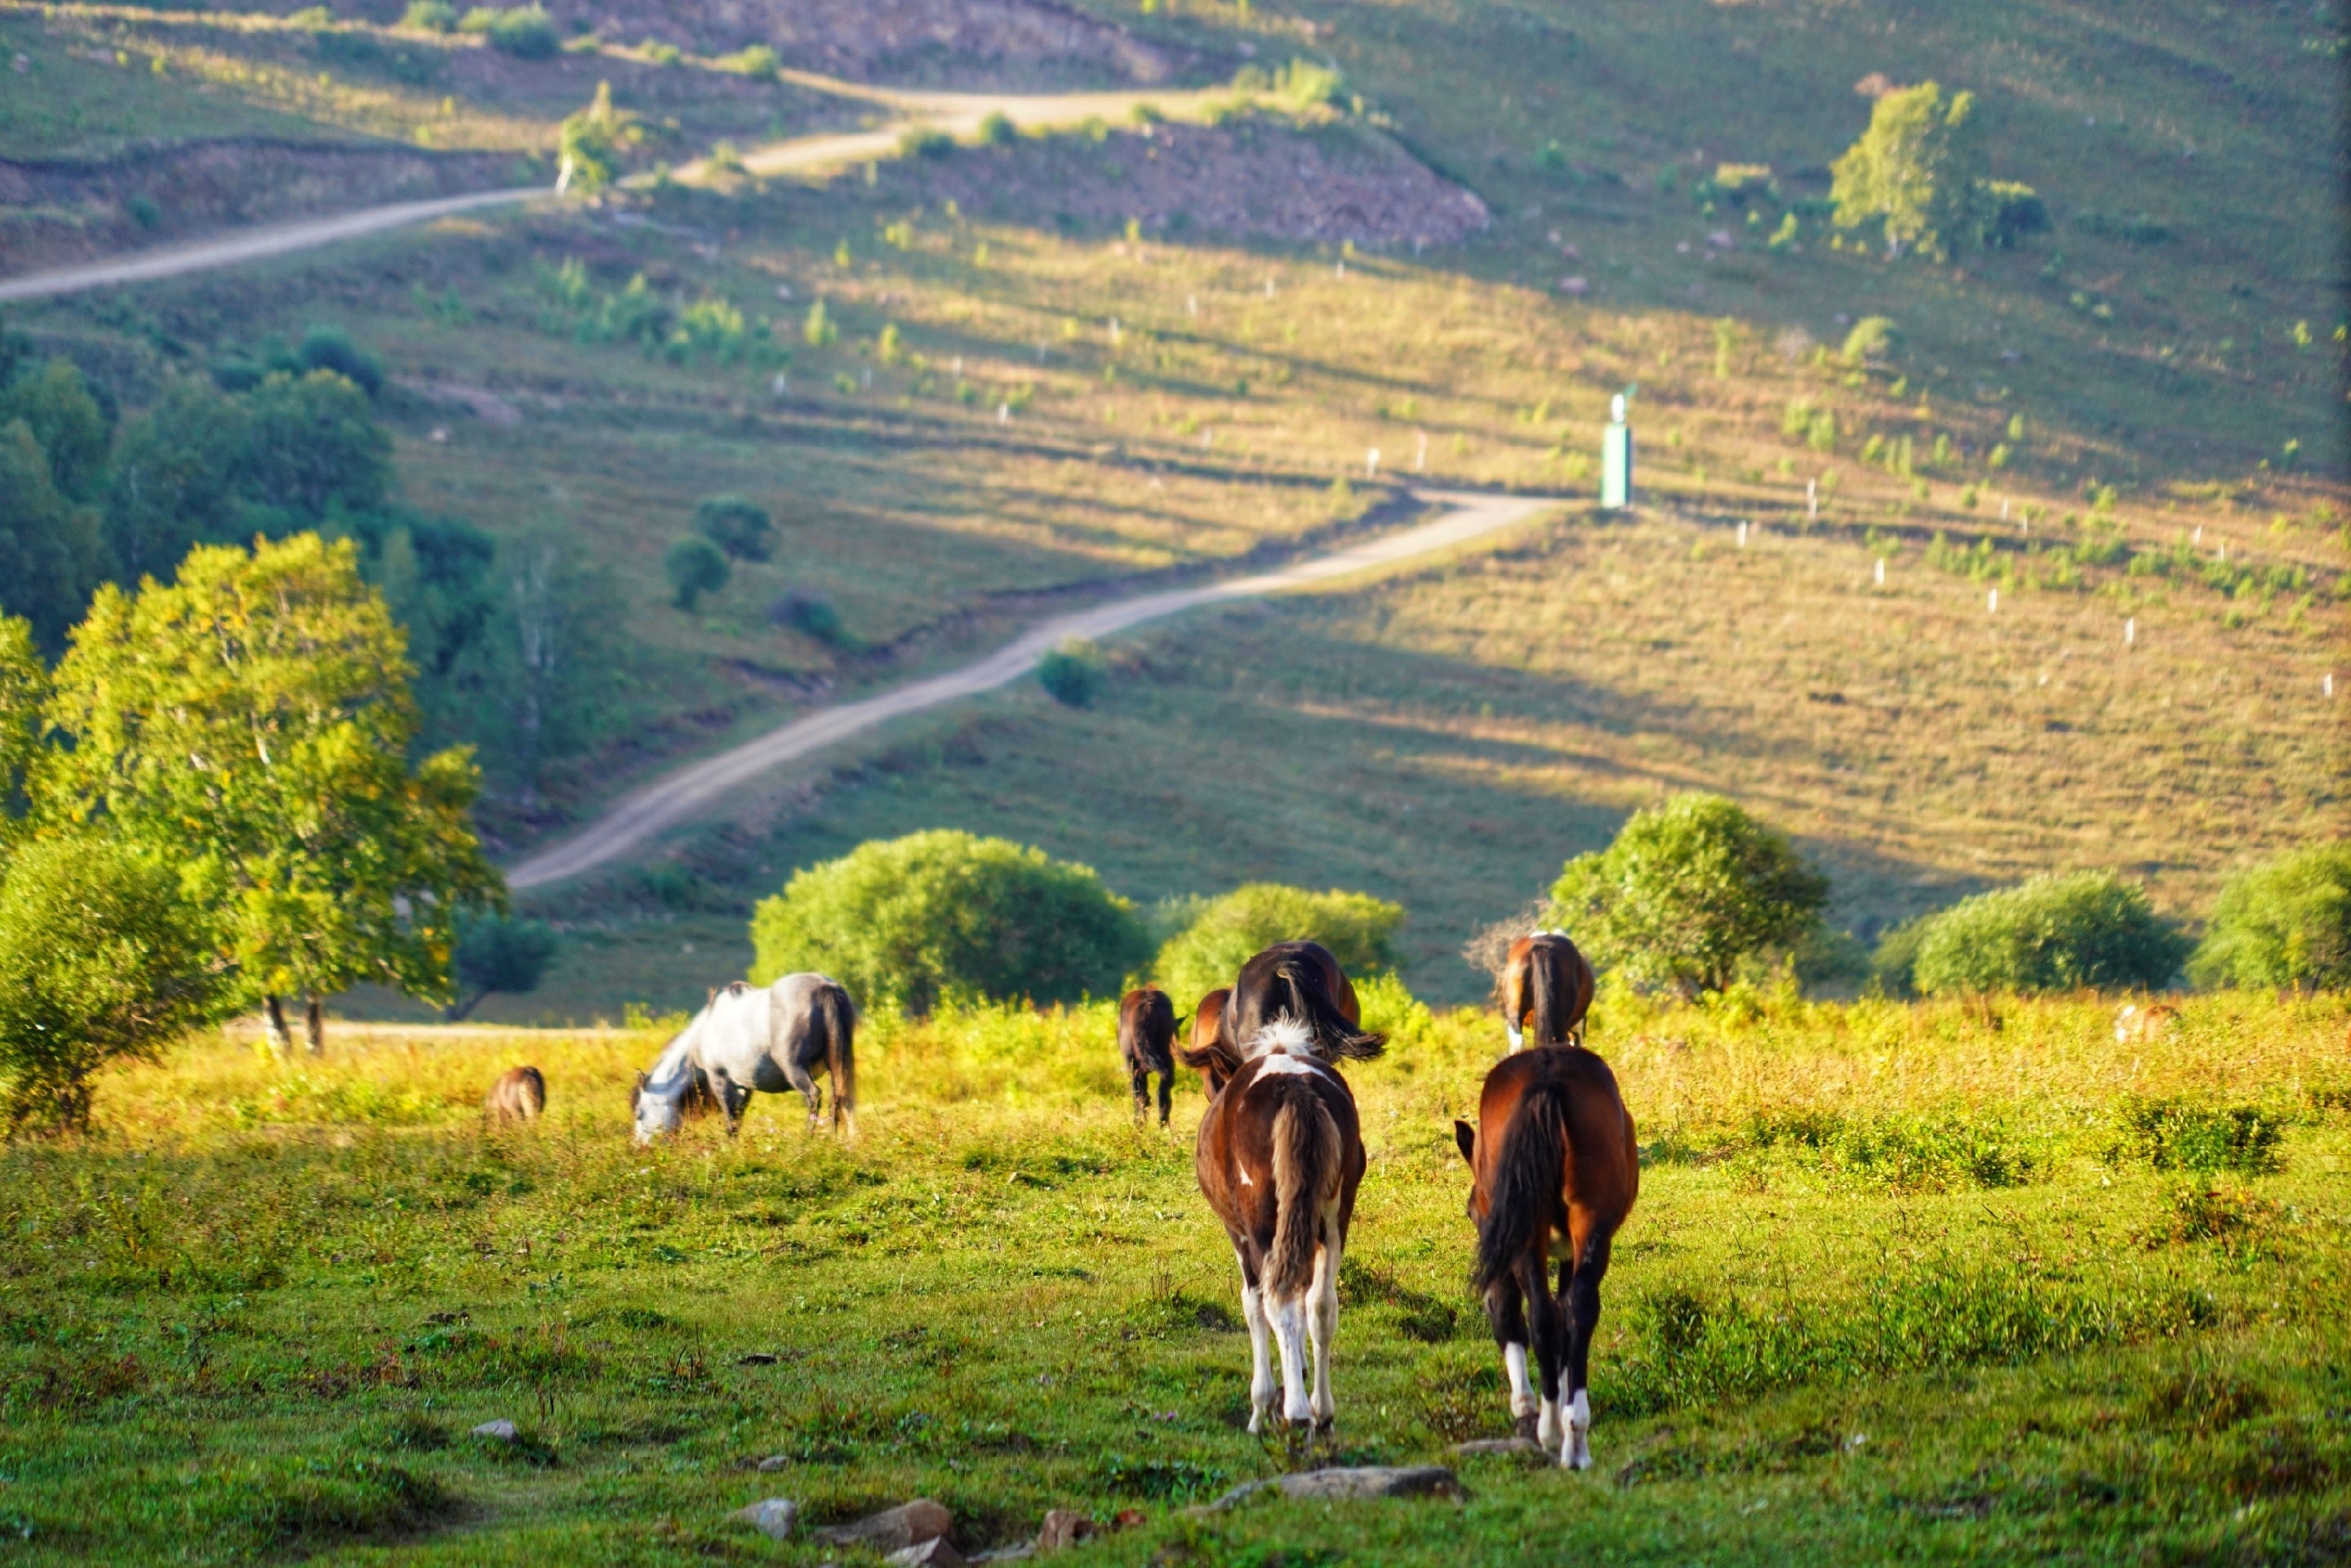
{"x": 1255, "y": 178}
{"x": 872, "y": 40}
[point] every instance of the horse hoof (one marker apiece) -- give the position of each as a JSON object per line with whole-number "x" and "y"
{"x": 1525, "y": 1427}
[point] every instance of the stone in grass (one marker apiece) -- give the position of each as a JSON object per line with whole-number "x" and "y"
{"x": 938, "y": 1552}
{"x": 892, "y": 1529}
{"x": 772, "y": 1517}
{"x": 500, "y": 1431}
{"x": 1522, "y": 1446}
{"x": 1347, "y": 1484}
{"x": 773, "y": 1463}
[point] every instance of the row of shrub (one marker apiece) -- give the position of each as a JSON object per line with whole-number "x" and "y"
{"x": 1692, "y": 897}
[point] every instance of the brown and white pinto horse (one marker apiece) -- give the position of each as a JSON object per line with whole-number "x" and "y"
{"x": 1546, "y": 976}
{"x": 1554, "y": 1171}
{"x": 1298, "y": 979}
{"x": 1146, "y": 1041}
{"x": 1279, "y": 1157}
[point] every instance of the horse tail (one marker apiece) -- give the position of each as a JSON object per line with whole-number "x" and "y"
{"x": 1308, "y": 1000}
{"x": 534, "y": 1094}
{"x": 1543, "y": 971}
{"x": 1524, "y": 1204}
{"x": 1305, "y": 1175}
{"x": 839, "y": 1021}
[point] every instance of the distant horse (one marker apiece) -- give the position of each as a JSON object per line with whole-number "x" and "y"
{"x": 1545, "y": 976}
{"x": 1279, "y": 1157}
{"x": 519, "y": 1096}
{"x": 1554, "y": 1171}
{"x": 1202, "y": 1056}
{"x": 1146, "y": 1038}
{"x": 747, "y": 1038}
{"x": 2144, "y": 1025}
{"x": 1299, "y": 980}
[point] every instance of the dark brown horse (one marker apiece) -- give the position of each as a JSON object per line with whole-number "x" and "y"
{"x": 1279, "y": 1157}
{"x": 1554, "y": 1171}
{"x": 1146, "y": 1042}
{"x": 1546, "y": 977}
{"x": 1299, "y": 980}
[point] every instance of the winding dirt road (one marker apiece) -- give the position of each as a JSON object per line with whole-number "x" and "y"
{"x": 956, "y": 113}
{"x": 667, "y": 801}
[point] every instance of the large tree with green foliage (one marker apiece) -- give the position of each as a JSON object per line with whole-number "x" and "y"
{"x": 2285, "y": 922}
{"x": 101, "y": 959}
{"x": 311, "y": 448}
{"x": 1359, "y": 929}
{"x": 174, "y": 479}
{"x": 23, "y": 693}
{"x": 1917, "y": 169}
{"x": 50, "y": 553}
{"x": 252, "y": 722}
{"x": 905, "y": 922}
{"x": 2086, "y": 930}
{"x": 1689, "y": 889}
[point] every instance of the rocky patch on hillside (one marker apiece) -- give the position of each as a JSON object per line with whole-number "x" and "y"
{"x": 869, "y": 39}
{"x": 56, "y": 211}
{"x": 1248, "y": 178}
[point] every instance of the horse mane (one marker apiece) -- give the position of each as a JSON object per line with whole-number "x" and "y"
{"x": 1335, "y": 1037}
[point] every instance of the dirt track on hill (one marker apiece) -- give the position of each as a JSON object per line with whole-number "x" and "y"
{"x": 668, "y": 802}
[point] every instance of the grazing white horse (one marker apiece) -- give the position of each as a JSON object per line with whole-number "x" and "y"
{"x": 751, "y": 1039}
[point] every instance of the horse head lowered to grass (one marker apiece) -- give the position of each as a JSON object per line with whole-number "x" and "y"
{"x": 749, "y": 1039}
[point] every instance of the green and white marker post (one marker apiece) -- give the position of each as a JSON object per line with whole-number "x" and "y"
{"x": 1616, "y": 459}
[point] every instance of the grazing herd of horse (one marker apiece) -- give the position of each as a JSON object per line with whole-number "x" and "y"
{"x": 1553, "y": 1167}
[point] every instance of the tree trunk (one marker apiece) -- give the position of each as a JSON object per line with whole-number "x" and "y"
{"x": 314, "y": 1025}
{"x": 273, "y": 1023}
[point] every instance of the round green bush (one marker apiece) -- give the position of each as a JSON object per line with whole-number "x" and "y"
{"x": 904, "y": 922}
{"x": 1360, "y": 931}
{"x": 695, "y": 567}
{"x": 1072, "y": 675}
{"x": 1689, "y": 889}
{"x": 2285, "y": 922}
{"x": 2089, "y": 929}
{"x": 740, "y": 528}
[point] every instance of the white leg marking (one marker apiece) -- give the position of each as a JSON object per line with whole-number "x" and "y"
{"x": 1522, "y": 1393}
{"x": 1578, "y": 1455}
{"x": 1323, "y": 1323}
{"x": 1289, "y": 1342}
{"x": 1548, "y": 1430}
{"x": 1261, "y": 1372}
{"x": 1517, "y": 1037}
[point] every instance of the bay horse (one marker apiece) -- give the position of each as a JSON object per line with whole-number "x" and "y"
{"x": 1554, "y": 1172}
{"x": 1202, "y": 1056}
{"x": 1279, "y": 1157}
{"x": 1146, "y": 1039}
{"x": 748, "y": 1037}
{"x": 1299, "y": 980}
{"x": 1545, "y": 976}
{"x": 518, "y": 1096}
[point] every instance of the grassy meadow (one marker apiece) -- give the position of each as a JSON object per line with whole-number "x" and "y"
{"x": 1937, "y": 1283}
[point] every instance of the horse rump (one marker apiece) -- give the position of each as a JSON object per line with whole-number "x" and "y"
{"x": 518, "y": 1096}
{"x": 1146, "y": 1031}
{"x": 1209, "y": 1054}
{"x": 1523, "y": 1208}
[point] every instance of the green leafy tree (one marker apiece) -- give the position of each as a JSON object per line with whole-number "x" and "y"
{"x": 326, "y": 347}
{"x": 23, "y": 693}
{"x": 51, "y": 554}
{"x": 741, "y": 528}
{"x": 592, "y": 143}
{"x": 2285, "y": 922}
{"x": 904, "y": 922}
{"x": 1916, "y": 170}
{"x": 252, "y": 722}
{"x": 1359, "y": 929}
{"x": 312, "y": 446}
{"x": 1072, "y": 673}
{"x": 72, "y": 431}
{"x": 174, "y": 479}
{"x": 499, "y": 954}
{"x": 1689, "y": 890}
{"x": 695, "y": 567}
{"x": 2049, "y": 934}
{"x": 101, "y": 959}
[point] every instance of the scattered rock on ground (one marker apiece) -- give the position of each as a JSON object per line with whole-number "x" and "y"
{"x": 892, "y": 1529}
{"x": 772, "y": 1517}
{"x": 936, "y": 1553}
{"x": 773, "y": 1463}
{"x": 1063, "y": 1527}
{"x": 1526, "y": 1446}
{"x": 1347, "y": 1484}
{"x": 501, "y": 1429}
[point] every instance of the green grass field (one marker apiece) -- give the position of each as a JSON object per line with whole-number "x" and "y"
{"x": 1934, "y": 1282}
